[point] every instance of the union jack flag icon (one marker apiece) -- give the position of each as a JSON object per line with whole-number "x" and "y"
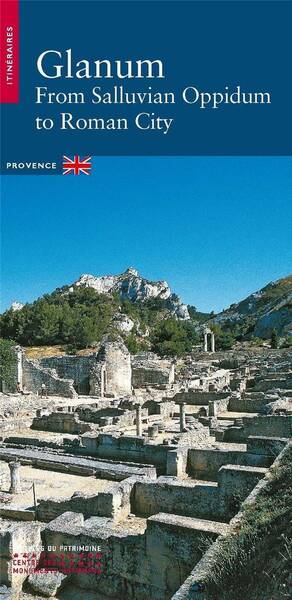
{"x": 77, "y": 165}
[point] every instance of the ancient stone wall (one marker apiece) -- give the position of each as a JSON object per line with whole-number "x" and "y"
{"x": 235, "y": 483}
{"x": 76, "y": 368}
{"x": 110, "y": 416}
{"x": 114, "y": 504}
{"x": 195, "y": 397}
{"x": 270, "y": 426}
{"x": 283, "y": 381}
{"x": 34, "y": 375}
{"x": 15, "y": 539}
{"x": 268, "y": 446}
{"x": 97, "y": 379}
{"x": 217, "y": 406}
{"x": 145, "y": 565}
{"x": 253, "y": 402}
{"x": 171, "y": 495}
{"x": 66, "y": 463}
{"x": 143, "y": 376}
{"x": 193, "y": 587}
{"x": 204, "y": 463}
{"x": 107, "y": 373}
{"x": 174, "y": 544}
{"x": 165, "y": 409}
{"x": 61, "y": 422}
{"x": 127, "y": 448}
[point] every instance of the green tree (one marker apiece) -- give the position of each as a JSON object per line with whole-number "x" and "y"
{"x": 7, "y": 362}
{"x": 61, "y": 317}
{"x": 224, "y": 340}
{"x": 135, "y": 344}
{"x": 274, "y": 339}
{"x": 66, "y": 324}
{"x": 83, "y": 332}
{"x": 45, "y": 323}
{"x": 172, "y": 338}
{"x": 287, "y": 343}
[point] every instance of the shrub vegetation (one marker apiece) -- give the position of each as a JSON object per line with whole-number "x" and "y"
{"x": 7, "y": 361}
{"x": 256, "y": 563}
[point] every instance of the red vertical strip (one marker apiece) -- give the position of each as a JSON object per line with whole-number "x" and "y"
{"x": 9, "y": 51}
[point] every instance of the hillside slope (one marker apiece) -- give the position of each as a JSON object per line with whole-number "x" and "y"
{"x": 261, "y": 312}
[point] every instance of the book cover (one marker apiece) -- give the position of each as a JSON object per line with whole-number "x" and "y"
{"x": 146, "y": 324}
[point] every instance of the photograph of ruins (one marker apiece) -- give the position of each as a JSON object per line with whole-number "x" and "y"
{"x": 136, "y": 430}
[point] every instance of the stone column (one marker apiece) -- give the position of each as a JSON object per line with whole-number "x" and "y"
{"x": 15, "y": 486}
{"x": 138, "y": 420}
{"x": 182, "y": 416}
{"x": 172, "y": 373}
{"x": 176, "y": 463}
{"x": 213, "y": 408}
{"x": 153, "y": 431}
{"x": 102, "y": 381}
{"x": 212, "y": 342}
{"x": 205, "y": 342}
{"x": 19, "y": 368}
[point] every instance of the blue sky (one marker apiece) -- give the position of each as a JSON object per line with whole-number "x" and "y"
{"x": 216, "y": 228}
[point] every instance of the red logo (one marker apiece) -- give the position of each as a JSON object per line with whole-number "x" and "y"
{"x": 77, "y": 165}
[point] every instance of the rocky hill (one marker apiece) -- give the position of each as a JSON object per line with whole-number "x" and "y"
{"x": 131, "y": 286}
{"x": 146, "y": 313}
{"x": 261, "y": 312}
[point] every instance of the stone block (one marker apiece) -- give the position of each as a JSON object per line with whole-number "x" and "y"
{"x": 47, "y": 584}
{"x": 18, "y": 514}
{"x": 7, "y": 593}
{"x": 235, "y": 483}
{"x": 176, "y": 462}
{"x": 270, "y": 446}
{"x": 174, "y": 545}
{"x": 17, "y": 538}
{"x": 172, "y": 495}
{"x": 67, "y": 520}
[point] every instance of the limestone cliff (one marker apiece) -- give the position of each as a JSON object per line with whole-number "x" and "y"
{"x": 15, "y": 306}
{"x": 130, "y": 285}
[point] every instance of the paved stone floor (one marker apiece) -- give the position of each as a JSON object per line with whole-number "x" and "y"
{"x": 49, "y": 484}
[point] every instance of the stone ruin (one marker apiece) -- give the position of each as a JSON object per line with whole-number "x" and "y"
{"x": 141, "y": 458}
{"x": 209, "y": 340}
